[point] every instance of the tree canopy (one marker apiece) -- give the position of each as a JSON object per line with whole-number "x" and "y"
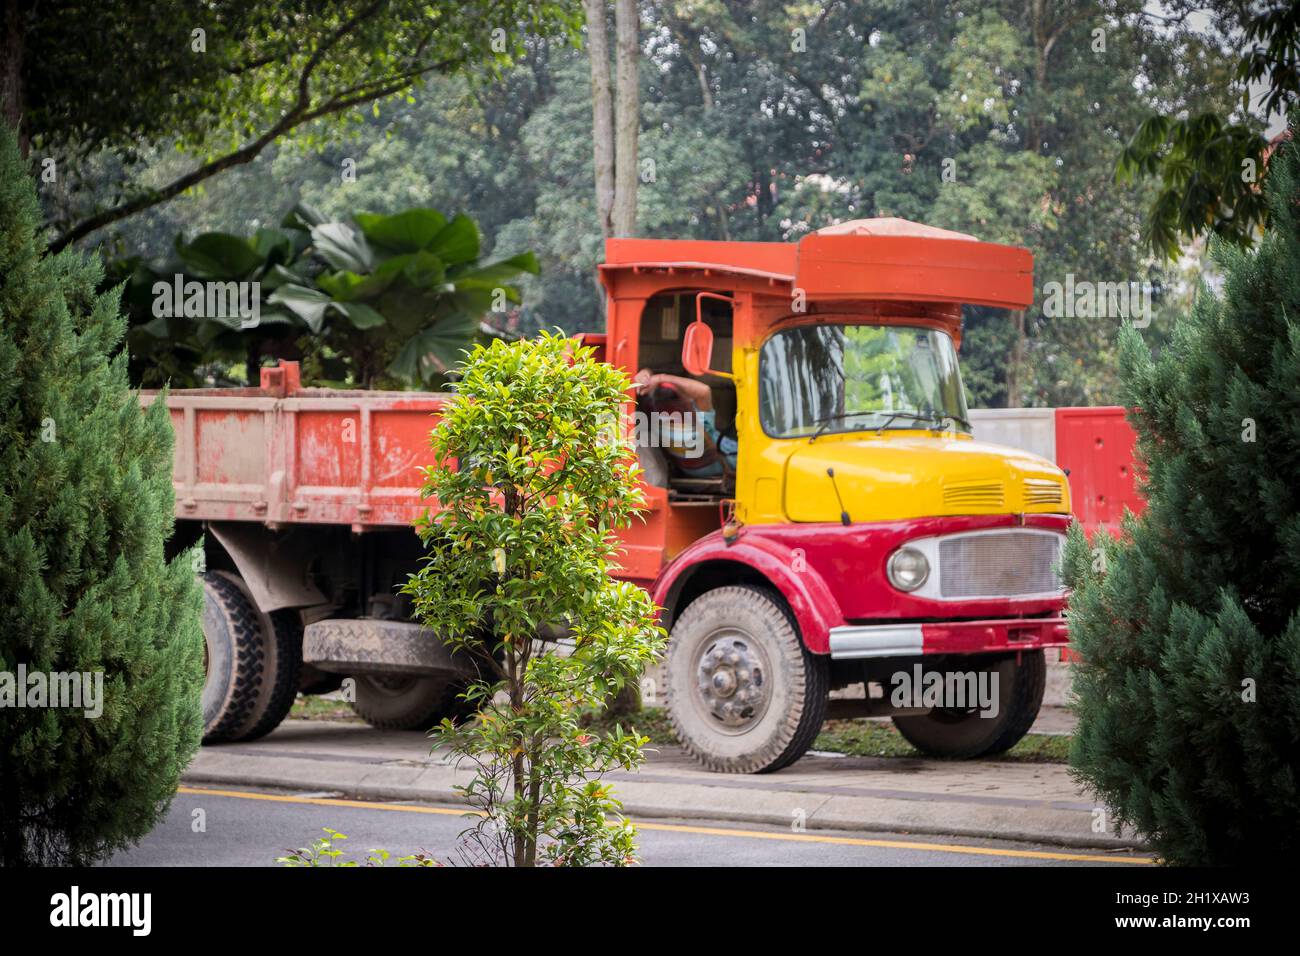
{"x": 224, "y": 81}
{"x": 761, "y": 120}
{"x": 1210, "y": 164}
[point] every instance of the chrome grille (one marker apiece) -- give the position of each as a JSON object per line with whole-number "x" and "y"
{"x": 982, "y": 495}
{"x": 1043, "y": 491}
{"x": 1000, "y": 564}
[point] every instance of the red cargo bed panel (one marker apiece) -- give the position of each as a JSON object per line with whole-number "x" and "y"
{"x": 1095, "y": 446}
{"x": 316, "y": 455}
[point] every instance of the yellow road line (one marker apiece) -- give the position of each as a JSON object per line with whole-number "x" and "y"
{"x": 702, "y": 831}
{"x": 328, "y": 801}
{"x": 893, "y": 844}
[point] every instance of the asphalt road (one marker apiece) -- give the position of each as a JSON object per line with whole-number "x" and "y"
{"x": 252, "y": 828}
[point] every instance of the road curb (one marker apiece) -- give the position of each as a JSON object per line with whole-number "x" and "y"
{"x": 691, "y": 800}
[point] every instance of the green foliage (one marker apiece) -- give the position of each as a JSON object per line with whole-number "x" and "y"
{"x": 873, "y": 738}
{"x": 1208, "y": 170}
{"x": 85, "y": 582}
{"x": 383, "y": 298}
{"x": 259, "y": 72}
{"x": 411, "y": 288}
{"x": 750, "y": 140}
{"x": 1210, "y": 164}
{"x": 327, "y": 851}
{"x": 522, "y": 545}
{"x": 1189, "y": 625}
{"x": 186, "y": 351}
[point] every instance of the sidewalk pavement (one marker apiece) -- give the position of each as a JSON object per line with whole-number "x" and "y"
{"x": 1034, "y": 802}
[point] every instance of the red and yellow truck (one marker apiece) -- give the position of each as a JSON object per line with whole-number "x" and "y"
{"x": 859, "y": 532}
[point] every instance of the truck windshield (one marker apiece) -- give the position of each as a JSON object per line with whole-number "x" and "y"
{"x": 837, "y": 378}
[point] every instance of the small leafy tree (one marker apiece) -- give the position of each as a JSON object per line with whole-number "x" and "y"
{"x": 1189, "y": 626}
{"x": 533, "y": 483}
{"x": 86, "y": 584}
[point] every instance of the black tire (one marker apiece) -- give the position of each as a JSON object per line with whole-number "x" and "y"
{"x": 965, "y": 734}
{"x": 381, "y": 647}
{"x": 403, "y": 702}
{"x": 234, "y": 657}
{"x": 744, "y": 694}
{"x": 282, "y": 667}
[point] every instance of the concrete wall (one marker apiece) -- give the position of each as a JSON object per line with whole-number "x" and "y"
{"x": 1031, "y": 429}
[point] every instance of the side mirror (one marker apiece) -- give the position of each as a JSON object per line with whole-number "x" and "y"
{"x": 697, "y": 348}
{"x": 697, "y": 344}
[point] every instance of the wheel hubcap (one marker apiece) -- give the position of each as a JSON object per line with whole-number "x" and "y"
{"x": 390, "y": 685}
{"x": 731, "y": 682}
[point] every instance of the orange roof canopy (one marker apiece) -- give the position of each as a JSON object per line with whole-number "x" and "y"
{"x": 865, "y": 259}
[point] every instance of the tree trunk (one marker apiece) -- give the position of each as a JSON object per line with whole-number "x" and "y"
{"x": 1015, "y": 367}
{"x": 602, "y": 110}
{"x": 627, "y": 22}
{"x": 12, "y": 95}
{"x": 534, "y": 804}
{"x": 1034, "y": 126}
{"x": 515, "y": 686}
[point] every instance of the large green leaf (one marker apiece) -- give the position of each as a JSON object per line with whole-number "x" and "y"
{"x": 278, "y": 275}
{"x": 499, "y": 271}
{"x": 456, "y": 242}
{"x": 273, "y": 245}
{"x": 343, "y": 247}
{"x": 302, "y": 217}
{"x": 424, "y": 270}
{"x": 218, "y": 255}
{"x": 307, "y": 304}
{"x": 435, "y": 350}
{"x": 408, "y": 231}
{"x": 342, "y": 285}
{"x": 347, "y": 286}
{"x": 359, "y": 314}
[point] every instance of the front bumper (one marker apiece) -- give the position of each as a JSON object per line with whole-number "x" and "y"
{"x": 858, "y": 641}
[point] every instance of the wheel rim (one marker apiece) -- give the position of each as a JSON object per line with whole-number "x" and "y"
{"x": 390, "y": 686}
{"x": 731, "y": 686}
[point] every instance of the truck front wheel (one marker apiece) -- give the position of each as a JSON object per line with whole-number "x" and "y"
{"x": 744, "y": 694}
{"x": 964, "y": 733}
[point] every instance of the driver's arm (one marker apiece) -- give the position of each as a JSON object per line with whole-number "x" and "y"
{"x": 695, "y": 390}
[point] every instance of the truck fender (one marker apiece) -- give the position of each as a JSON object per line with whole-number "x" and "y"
{"x": 273, "y": 567}
{"x": 805, "y": 591}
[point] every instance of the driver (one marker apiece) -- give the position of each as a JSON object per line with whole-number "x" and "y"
{"x": 719, "y": 459}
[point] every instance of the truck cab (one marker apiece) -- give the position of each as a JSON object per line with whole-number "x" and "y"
{"x": 862, "y": 536}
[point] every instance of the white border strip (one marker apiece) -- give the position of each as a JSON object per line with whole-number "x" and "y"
{"x": 875, "y": 640}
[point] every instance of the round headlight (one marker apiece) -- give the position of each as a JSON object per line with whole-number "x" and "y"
{"x": 907, "y": 569}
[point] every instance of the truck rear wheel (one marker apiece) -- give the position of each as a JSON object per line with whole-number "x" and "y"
{"x": 233, "y": 657}
{"x": 948, "y": 732}
{"x": 404, "y": 702}
{"x": 744, "y": 694}
{"x": 282, "y": 631}
{"x": 251, "y": 661}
